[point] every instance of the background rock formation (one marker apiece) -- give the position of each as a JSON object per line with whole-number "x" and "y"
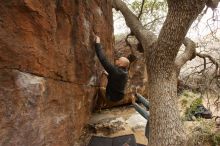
{"x": 48, "y": 68}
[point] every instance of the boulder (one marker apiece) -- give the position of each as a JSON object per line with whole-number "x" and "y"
{"x": 49, "y": 72}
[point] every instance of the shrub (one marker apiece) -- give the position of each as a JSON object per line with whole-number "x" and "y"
{"x": 190, "y": 111}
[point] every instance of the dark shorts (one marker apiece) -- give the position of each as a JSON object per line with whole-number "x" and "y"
{"x": 114, "y": 98}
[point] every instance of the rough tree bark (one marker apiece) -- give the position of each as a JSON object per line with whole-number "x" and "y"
{"x": 163, "y": 66}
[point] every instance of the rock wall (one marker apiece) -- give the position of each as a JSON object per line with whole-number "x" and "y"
{"x": 48, "y": 68}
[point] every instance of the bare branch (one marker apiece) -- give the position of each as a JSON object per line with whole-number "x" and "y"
{"x": 154, "y": 21}
{"x": 141, "y": 11}
{"x": 204, "y": 64}
{"x": 217, "y": 101}
{"x": 217, "y": 71}
{"x": 153, "y": 6}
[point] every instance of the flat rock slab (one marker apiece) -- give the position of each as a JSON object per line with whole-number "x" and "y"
{"x": 118, "y": 121}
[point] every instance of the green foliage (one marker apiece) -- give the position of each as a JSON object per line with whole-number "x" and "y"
{"x": 193, "y": 108}
{"x": 151, "y": 5}
{"x": 154, "y": 12}
{"x": 186, "y": 93}
{"x": 216, "y": 139}
{"x": 185, "y": 100}
{"x": 204, "y": 133}
{"x": 195, "y": 103}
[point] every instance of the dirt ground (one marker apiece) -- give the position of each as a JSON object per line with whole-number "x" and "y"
{"x": 115, "y": 122}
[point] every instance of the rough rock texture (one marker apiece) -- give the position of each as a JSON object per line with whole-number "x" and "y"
{"x": 48, "y": 68}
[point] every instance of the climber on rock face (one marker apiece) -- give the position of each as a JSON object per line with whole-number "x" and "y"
{"x": 117, "y": 74}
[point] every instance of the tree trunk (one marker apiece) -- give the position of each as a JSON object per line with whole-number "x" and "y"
{"x": 165, "y": 124}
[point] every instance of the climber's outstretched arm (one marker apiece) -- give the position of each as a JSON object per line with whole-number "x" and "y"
{"x": 102, "y": 58}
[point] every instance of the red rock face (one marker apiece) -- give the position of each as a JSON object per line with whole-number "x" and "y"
{"x": 48, "y": 68}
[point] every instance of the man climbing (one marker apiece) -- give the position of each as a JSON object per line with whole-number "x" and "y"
{"x": 117, "y": 74}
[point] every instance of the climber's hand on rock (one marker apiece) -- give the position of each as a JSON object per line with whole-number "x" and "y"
{"x": 97, "y": 39}
{"x": 105, "y": 72}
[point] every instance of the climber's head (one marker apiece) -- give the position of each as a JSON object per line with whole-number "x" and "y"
{"x": 122, "y": 62}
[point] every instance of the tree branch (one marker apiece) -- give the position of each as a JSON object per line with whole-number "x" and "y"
{"x": 204, "y": 64}
{"x": 217, "y": 70}
{"x": 212, "y": 4}
{"x": 189, "y": 53}
{"x": 141, "y": 11}
{"x": 144, "y": 36}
